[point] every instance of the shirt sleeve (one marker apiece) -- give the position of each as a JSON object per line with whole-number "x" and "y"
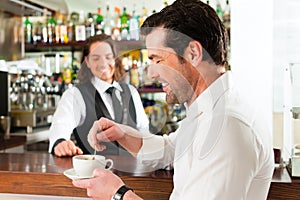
{"x": 158, "y": 151}
{"x": 69, "y": 113}
{"x": 141, "y": 117}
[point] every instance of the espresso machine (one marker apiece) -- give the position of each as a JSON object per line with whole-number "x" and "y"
{"x": 33, "y": 100}
{"x": 5, "y": 120}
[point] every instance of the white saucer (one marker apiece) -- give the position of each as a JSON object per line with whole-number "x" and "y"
{"x": 70, "y": 173}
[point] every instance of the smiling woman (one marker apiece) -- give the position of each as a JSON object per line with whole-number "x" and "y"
{"x": 90, "y": 100}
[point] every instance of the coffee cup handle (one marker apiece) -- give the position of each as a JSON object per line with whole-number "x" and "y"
{"x": 110, "y": 163}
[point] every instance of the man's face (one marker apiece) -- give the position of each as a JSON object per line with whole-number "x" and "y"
{"x": 177, "y": 77}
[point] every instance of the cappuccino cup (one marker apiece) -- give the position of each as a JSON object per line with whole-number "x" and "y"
{"x": 84, "y": 165}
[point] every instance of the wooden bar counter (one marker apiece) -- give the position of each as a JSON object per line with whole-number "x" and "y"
{"x": 42, "y": 174}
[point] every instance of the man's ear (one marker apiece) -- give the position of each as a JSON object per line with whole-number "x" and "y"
{"x": 194, "y": 52}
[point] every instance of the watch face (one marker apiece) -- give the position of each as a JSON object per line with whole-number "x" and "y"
{"x": 117, "y": 196}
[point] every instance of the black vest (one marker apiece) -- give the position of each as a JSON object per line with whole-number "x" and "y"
{"x": 95, "y": 109}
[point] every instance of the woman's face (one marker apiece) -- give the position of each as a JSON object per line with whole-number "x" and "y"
{"x": 101, "y": 61}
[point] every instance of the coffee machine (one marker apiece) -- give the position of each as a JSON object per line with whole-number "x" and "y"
{"x": 32, "y": 101}
{"x": 5, "y": 120}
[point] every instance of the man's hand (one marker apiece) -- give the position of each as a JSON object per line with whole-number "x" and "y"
{"x": 67, "y": 148}
{"x": 103, "y": 186}
{"x": 104, "y": 130}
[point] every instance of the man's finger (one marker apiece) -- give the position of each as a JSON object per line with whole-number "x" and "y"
{"x": 82, "y": 183}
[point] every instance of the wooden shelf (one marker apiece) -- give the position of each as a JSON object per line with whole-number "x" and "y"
{"x": 150, "y": 90}
{"x": 128, "y": 45}
{"x": 47, "y": 47}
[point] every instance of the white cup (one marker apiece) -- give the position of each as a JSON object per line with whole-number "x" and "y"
{"x": 84, "y": 165}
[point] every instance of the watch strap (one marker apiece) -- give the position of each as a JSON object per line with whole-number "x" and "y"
{"x": 121, "y": 192}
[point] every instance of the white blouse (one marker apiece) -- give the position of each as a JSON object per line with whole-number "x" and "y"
{"x": 71, "y": 111}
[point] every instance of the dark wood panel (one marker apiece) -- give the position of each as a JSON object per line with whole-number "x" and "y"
{"x": 38, "y": 183}
{"x": 13, "y": 141}
{"x": 284, "y": 191}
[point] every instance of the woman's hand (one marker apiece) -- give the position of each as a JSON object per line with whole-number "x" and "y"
{"x": 67, "y": 148}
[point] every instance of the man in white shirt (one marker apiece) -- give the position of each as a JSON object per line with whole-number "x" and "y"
{"x": 222, "y": 149}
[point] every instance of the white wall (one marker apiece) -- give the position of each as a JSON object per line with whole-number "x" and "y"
{"x": 286, "y": 93}
{"x": 251, "y": 51}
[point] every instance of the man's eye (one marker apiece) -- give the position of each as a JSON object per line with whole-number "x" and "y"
{"x": 158, "y": 61}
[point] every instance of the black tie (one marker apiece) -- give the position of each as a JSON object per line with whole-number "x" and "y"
{"x": 116, "y": 104}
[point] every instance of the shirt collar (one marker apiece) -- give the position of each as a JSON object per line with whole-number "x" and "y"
{"x": 207, "y": 99}
{"x": 101, "y": 86}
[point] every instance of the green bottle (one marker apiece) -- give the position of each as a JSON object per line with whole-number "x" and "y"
{"x": 28, "y": 31}
{"x": 124, "y": 25}
{"x": 99, "y": 22}
{"x": 219, "y": 10}
{"x": 51, "y": 30}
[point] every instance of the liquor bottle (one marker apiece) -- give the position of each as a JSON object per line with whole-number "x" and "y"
{"x": 67, "y": 70}
{"x": 64, "y": 32}
{"x": 72, "y": 21}
{"x": 219, "y": 9}
{"x": 80, "y": 34}
{"x": 226, "y": 18}
{"x": 108, "y": 22}
{"x": 124, "y": 25}
{"x": 134, "y": 28}
{"x": 116, "y": 31}
{"x": 143, "y": 16}
{"x": 51, "y": 30}
{"x": 44, "y": 28}
{"x": 90, "y": 26}
{"x": 28, "y": 31}
{"x": 44, "y": 33}
{"x": 59, "y": 23}
{"x": 99, "y": 22}
{"x": 226, "y": 15}
{"x": 37, "y": 32}
{"x": 134, "y": 74}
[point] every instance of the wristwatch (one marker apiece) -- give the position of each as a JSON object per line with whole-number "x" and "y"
{"x": 121, "y": 192}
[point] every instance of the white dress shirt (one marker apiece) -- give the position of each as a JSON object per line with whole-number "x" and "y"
{"x": 221, "y": 151}
{"x": 71, "y": 112}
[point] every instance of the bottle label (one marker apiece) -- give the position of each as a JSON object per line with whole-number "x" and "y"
{"x": 80, "y": 34}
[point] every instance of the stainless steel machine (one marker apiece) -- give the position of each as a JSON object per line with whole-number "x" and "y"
{"x": 33, "y": 100}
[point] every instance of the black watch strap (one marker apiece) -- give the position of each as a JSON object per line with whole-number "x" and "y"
{"x": 121, "y": 192}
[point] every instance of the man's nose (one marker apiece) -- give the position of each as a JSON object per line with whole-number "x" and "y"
{"x": 151, "y": 72}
